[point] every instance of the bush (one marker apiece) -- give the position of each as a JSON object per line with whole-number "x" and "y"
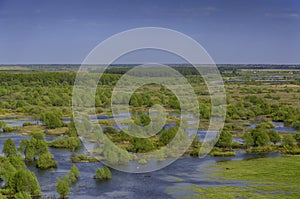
{"x": 25, "y": 181}
{"x": 73, "y": 174}
{"x": 46, "y": 161}
{"x": 83, "y": 158}
{"x": 52, "y": 120}
{"x": 103, "y": 173}
{"x": 274, "y": 136}
{"x": 224, "y": 140}
{"x": 297, "y": 138}
{"x": 9, "y": 148}
{"x": 9, "y": 129}
{"x": 222, "y": 153}
{"x": 288, "y": 140}
{"x": 65, "y": 142}
{"x": 28, "y": 124}
{"x": 63, "y": 187}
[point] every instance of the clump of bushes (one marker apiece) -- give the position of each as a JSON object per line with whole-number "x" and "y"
{"x": 102, "y": 173}
{"x": 63, "y": 183}
{"x": 9, "y": 129}
{"x": 28, "y": 124}
{"x": 83, "y": 158}
{"x": 66, "y": 142}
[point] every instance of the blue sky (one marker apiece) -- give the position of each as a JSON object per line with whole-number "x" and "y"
{"x": 232, "y": 31}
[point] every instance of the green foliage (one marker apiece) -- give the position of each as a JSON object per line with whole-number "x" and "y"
{"x": 274, "y": 136}
{"x": 63, "y": 186}
{"x": 25, "y": 181}
{"x": 9, "y": 148}
{"x": 46, "y": 161}
{"x": 66, "y": 142}
{"x": 224, "y": 140}
{"x": 38, "y": 135}
{"x": 22, "y": 195}
{"x": 113, "y": 154}
{"x": 260, "y": 137}
{"x": 110, "y": 130}
{"x": 83, "y": 158}
{"x": 103, "y": 173}
{"x": 140, "y": 145}
{"x": 28, "y": 124}
{"x": 288, "y": 140}
{"x": 2, "y": 124}
{"x": 23, "y": 145}
{"x": 9, "y": 129}
{"x": 167, "y": 135}
{"x": 30, "y": 151}
{"x": 17, "y": 161}
{"x": 297, "y": 138}
{"x": 73, "y": 174}
{"x": 265, "y": 125}
{"x": 296, "y": 125}
{"x": 52, "y": 120}
{"x": 7, "y": 170}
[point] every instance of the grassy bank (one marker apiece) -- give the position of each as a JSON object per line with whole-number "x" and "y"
{"x": 256, "y": 178}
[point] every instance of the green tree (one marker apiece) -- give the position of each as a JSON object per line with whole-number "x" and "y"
{"x": 23, "y": 145}
{"x": 167, "y": 135}
{"x": 140, "y": 145}
{"x": 25, "y": 181}
{"x": 9, "y": 148}
{"x": 248, "y": 139}
{"x": 2, "y": 124}
{"x": 274, "y": 136}
{"x": 17, "y": 161}
{"x": 297, "y": 138}
{"x": 52, "y": 120}
{"x": 265, "y": 125}
{"x": 225, "y": 140}
{"x": 260, "y": 137}
{"x": 288, "y": 140}
{"x": 30, "y": 152}
{"x": 73, "y": 174}
{"x": 63, "y": 187}
{"x": 46, "y": 161}
{"x": 7, "y": 170}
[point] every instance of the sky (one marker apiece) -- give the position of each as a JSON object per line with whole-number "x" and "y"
{"x": 231, "y": 31}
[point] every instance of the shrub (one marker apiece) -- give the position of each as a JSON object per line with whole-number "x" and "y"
{"x": 224, "y": 140}
{"x": 63, "y": 186}
{"x": 46, "y": 161}
{"x": 103, "y": 173}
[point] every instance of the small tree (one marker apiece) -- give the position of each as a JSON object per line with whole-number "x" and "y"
{"x": 9, "y": 148}
{"x": 260, "y": 137}
{"x": 297, "y": 138}
{"x": 274, "y": 136}
{"x": 52, "y": 120}
{"x": 248, "y": 140}
{"x": 73, "y": 174}
{"x": 2, "y": 124}
{"x": 225, "y": 140}
{"x": 46, "y": 161}
{"x": 30, "y": 152}
{"x": 63, "y": 186}
{"x": 25, "y": 181}
{"x": 288, "y": 140}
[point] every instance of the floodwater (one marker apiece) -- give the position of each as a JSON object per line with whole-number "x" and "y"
{"x": 186, "y": 171}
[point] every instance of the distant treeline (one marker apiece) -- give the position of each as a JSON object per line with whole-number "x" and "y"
{"x": 122, "y": 68}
